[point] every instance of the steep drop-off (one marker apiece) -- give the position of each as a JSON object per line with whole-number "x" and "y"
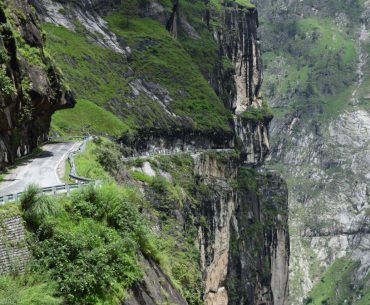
{"x": 199, "y": 220}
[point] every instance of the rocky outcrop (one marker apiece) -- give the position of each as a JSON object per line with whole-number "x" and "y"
{"x": 243, "y": 240}
{"x": 254, "y": 138}
{"x": 31, "y": 87}
{"x": 322, "y": 151}
{"x": 86, "y": 12}
{"x": 155, "y": 288}
{"x": 239, "y": 43}
{"x": 244, "y": 246}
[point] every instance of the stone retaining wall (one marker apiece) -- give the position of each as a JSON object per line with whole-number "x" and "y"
{"x": 14, "y": 252}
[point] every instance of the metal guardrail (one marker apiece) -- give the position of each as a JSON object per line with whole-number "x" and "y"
{"x": 53, "y": 190}
{"x": 81, "y": 181}
{"x": 71, "y": 159}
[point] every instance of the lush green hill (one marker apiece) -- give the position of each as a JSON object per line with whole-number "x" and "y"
{"x": 157, "y": 67}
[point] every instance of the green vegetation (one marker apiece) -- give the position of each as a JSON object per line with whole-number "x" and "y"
{"x": 322, "y": 73}
{"x": 140, "y": 176}
{"x": 86, "y": 117}
{"x": 162, "y": 59}
{"x": 245, "y": 3}
{"x": 247, "y": 179}
{"x": 217, "y": 4}
{"x": 89, "y": 242}
{"x": 88, "y": 164}
{"x": 337, "y": 286}
{"x": 93, "y": 72}
{"x": 6, "y": 85}
{"x": 258, "y": 114}
{"x": 27, "y": 290}
{"x": 105, "y": 78}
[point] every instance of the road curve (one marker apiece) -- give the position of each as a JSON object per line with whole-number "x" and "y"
{"x": 41, "y": 169}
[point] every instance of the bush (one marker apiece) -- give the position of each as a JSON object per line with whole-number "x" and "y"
{"x": 91, "y": 247}
{"x": 6, "y": 85}
{"x": 37, "y": 207}
{"x": 307, "y": 301}
{"x": 29, "y": 197}
{"x": 109, "y": 156}
{"x": 159, "y": 184}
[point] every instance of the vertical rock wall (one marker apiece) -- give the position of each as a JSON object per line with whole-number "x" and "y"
{"x": 31, "y": 89}
{"x": 238, "y": 41}
{"x": 244, "y": 245}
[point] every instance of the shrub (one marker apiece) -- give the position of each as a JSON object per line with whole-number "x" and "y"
{"x": 159, "y": 184}
{"x": 307, "y": 301}
{"x": 89, "y": 261}
{"x": 37, "y": 207}
{"x": 6, "y": 85}
{"x": 91, "y": 247}
{"x": 29, "y": 197}
{"x": 109, "y": 156}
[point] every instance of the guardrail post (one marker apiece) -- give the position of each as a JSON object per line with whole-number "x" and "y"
{"x": 68, "y": 189}
{"x": 54, "y": 190}
{"x": 15, "y": 196}
{"x": 6, "y": 199}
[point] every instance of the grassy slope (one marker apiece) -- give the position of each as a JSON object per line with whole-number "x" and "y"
{"x": 338, "y": 286}
{"x": 87, "y": 117}
{"x": 99, "y": 233}
{"x": 88, "y": 165}
{"x": 27, "y": 290}
{"x": 165, "y": 61}
{"x": 99, "y": 75}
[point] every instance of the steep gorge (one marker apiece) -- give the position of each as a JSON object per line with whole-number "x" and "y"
{"x": 233, "y": 210}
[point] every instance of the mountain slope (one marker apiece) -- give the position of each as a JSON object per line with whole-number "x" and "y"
{"x": 316, "y": 68}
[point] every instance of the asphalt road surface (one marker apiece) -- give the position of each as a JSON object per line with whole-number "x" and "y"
{"x": 41, "y": 169}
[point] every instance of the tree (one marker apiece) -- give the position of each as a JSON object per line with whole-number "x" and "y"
{"x": 129, "y": 9}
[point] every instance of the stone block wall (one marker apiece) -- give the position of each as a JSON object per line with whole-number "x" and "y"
{"x": 14, "y": 252}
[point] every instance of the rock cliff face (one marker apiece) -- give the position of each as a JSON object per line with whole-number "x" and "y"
{"x": 31, "y": 87}
{"x": 238, "y": 41}
{"x": 242, "y": 220}
{"x": 244, "y": 247}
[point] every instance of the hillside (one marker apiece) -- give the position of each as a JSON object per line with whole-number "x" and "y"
{"x": 316, "y": 78}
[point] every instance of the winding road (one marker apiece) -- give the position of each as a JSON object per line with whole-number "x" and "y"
{"x": 46, "y": 168}
{"x": 41, "y": 169}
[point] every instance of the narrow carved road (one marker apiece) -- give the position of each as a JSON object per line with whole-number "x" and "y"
{"x": 41, "y": 169}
